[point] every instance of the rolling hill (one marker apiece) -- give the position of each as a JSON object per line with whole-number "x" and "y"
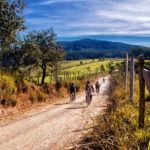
{"x": 91, "y": 44}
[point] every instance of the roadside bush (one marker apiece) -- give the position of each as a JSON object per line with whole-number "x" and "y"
{"x": 8, "y": 102}
{"x": 22, "y": 85}
{"x": 41, "y": 96}
{"x": 38, "y": 96}
{"x": 7, "y": 84}
{"x": 58, "y": 86}
{"x": 33, "y": 97}
{"x": 118, "y": 129}
{"x": 46, "y": 88}
{"x": 7, "y": 99}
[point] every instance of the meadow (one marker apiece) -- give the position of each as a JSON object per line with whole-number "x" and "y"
{"x": 76, "y": 69}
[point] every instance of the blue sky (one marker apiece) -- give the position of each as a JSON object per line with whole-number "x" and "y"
{"x": 114, "y": 20}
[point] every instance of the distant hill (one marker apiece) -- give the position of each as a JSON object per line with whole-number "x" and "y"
{"x": 91, "y": 44}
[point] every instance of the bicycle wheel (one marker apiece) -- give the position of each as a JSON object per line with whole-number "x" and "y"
{"x": 88, "y": 100}
{"x": 97, "y": 91}
{"x": 71, "y": 98}
{"x": 74, "y": 96}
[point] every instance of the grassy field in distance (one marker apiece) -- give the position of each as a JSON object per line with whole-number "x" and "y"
{"x": 73, "y": 63}
{"x": 87, "y": 66}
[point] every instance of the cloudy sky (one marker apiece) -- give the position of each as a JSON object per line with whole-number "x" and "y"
{"x": 114, "y": 20}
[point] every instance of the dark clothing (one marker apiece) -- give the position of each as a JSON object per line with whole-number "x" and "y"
{"x": 89, "y": 87}
{"x": 72, "y": 88}
{"x": 97, "y": 85}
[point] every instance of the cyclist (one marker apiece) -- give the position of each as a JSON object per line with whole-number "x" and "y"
{"x": 89, "y": 89}
{"x": 97, "y": 86}
{"x": 72, "y": 92}
{"x": 103, "y": 80}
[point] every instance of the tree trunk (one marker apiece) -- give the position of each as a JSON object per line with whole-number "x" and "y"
{"x": 43, "y": 73}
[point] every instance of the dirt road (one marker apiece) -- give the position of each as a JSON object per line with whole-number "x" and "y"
{"x": 56, "y": 127}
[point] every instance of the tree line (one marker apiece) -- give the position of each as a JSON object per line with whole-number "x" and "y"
{"x": 94, "y": 54}
{"x": 35, "y": 49}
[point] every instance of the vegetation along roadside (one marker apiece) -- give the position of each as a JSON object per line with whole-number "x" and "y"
{"x": 118, "y": 128}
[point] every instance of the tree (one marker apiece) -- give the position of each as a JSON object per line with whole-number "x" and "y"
{"x": 111, "y": 67}
{"x": 45, "y": 52}
{"x": 102, "y": 68}
{"x": 11, "y": 22}
{"x": 81, "y": 62}
{"x": 17, "y": 60}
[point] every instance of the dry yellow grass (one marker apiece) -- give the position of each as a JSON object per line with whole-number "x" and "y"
{"x": 118, "y": 129}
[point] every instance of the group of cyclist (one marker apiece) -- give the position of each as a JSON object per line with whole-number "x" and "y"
{"x": 88, "y": 90}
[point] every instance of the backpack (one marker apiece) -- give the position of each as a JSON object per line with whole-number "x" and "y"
{"x": 73, "y": 88}
{"x": 89, "y": 87}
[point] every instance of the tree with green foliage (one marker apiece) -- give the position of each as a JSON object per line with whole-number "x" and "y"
{"x": 45, "y": 51}
{"x": 11, "y": 22}
{"x": 81, "y": 62}
{"x": 111, "y": 67}
{"x": 138, "y": 51}
{"x": 102, "y": 68}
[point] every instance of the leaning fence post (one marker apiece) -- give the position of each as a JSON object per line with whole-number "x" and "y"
{"x": 126, "y": 73}
{"x": 131, "y": 78}
{"x": 142, "y": 92}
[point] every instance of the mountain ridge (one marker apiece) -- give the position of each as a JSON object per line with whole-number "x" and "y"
{"x": 94, "y": 44}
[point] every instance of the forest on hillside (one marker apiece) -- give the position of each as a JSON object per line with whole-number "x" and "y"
{"x": 96, "y": 54}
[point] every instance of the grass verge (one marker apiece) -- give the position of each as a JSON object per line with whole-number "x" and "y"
{"x": 118, "y": 128}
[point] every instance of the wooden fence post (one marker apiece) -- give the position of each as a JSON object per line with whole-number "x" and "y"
{"x": 142, "y": 92}
{"x": 146, "y": 74}
{"x": 131, "y": 78}
{"x": 126, "y": 73}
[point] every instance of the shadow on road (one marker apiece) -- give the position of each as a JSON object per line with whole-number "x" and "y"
{"x": 80, "y": 107}
{"x": 62, "y": 103}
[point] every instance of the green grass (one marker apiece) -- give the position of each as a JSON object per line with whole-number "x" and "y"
{"x": 76, "y": 67}
{"x": 69, "y": 64}
{"x": 85, "y": 68}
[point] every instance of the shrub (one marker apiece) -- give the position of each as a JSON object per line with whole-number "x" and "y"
{"x": 7, "y": 84}
{"x": 58, "y": 85}
{"x": 33, "y": 97}
{"x": 41, "y": 96}
{"x": 46, "y": 88}
{"x": 8, "y": 102}
{"x": 81, "y": 62}
{"x": 22, "y": 85}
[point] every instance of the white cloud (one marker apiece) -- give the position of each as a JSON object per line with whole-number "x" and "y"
{"x": 93, "y": 17}
{"x": 48, "y": 2}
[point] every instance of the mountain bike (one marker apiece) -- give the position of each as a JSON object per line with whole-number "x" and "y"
{"x": 72, "y": 97}
{"x": 88, "y": 98}
{"x": 97, "y": 90}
